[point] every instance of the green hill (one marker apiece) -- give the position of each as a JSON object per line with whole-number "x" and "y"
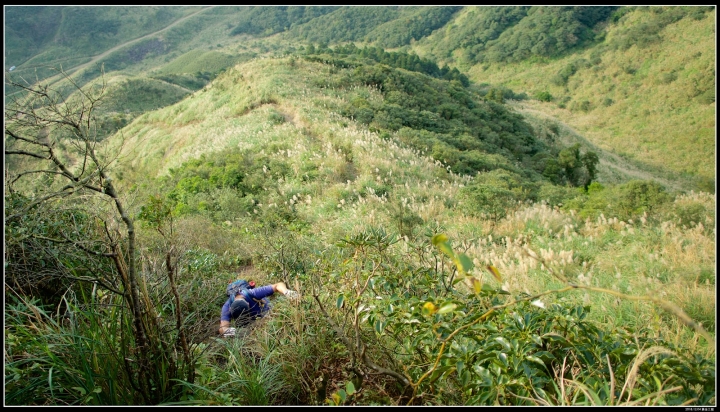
{"x": 616, "y": 75}
{"x": 650, "y": 101}
{"x": 461, "y": 225}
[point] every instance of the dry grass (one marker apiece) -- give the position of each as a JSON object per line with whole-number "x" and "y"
{"x": 635, "y": 258}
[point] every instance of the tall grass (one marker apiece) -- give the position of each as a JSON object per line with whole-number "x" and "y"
{"x": 636, "y": 257}
{"x": 64, "y": 358}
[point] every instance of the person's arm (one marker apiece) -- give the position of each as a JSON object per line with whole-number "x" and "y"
{"x": 280, "y": 287}
{"x": 265, "y": 291}
{"x": 224, "y": 326}
{"x": 225, "y": 317}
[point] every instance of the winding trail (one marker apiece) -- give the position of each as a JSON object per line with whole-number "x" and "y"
{"x": 104, "y": 54}
{"x": 129, "y": 42}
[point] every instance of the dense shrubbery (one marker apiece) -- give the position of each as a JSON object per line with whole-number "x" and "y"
{"x": 544, "y": 96}
{"x": 393, "y": 59}
{"x": 229, "y": 182}
{"x": 411, "y": 26}
{"x": 442, "y": 118}
{"x": 511, "y": 34}
{"x": 265, "y": 21}
{"x": 466, "y": 132}
{"x": 496, "y": 193}
{"x": 626, "y": 201}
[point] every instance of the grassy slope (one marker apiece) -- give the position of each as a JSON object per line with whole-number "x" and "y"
{"x": 277, "y": 107}
{"x": 241, "y": 109}
{"x": 652, "y": 122}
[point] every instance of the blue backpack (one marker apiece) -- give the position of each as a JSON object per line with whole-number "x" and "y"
{"x": 239, "y": 286}
{"x": 242, "y": 286}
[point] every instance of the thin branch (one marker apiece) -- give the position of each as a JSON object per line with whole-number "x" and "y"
{"x": 24, "y": 153}
{"x": 34, "y": 171}
{"x": 36, "y": 202}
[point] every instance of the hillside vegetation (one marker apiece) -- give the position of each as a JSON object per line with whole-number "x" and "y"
{"x": 456, "y": 236}
{"x": 608, "y": 72}
{"x": 651, "y": 102}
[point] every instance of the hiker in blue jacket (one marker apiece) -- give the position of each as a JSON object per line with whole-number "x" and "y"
{"x": 248, "y": 304}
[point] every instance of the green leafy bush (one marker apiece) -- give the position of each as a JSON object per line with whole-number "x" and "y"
{"x": 482, "y": 346}
{"x": 625, "y": 201}
{"x": 494, "y": 194}
{"x": 543, "y": 96}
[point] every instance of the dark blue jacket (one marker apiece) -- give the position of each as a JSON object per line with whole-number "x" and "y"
{"x": 259, "y": 302}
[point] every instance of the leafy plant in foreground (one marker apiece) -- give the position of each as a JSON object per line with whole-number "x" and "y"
{"x": 475, "y": 344}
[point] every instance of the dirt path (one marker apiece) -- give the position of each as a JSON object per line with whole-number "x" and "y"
{"x": 96, "y": 58}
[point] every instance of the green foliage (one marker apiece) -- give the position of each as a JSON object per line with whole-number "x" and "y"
{"x": 556, "y": 195}
{"x": 512, "y": 34}
{"x": 484, "y": 347}
{"x": 137, "y": 96}
{"x": 333, "y": 27}
{"x": 402, "y": 60}
{"x": 544, "y": 96}
{"x": 496, "y": 95}
{"x": 636, "y": 197}
{"x": 494, "y": 194}
{"x": 414, "y": 24}
{"x": 266, "y": 21}
{"x": 562, "y": 76}
{"x": 626, "y": 201}
{"x": 155, "y": 213}
{"x": 579, "y": 169}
